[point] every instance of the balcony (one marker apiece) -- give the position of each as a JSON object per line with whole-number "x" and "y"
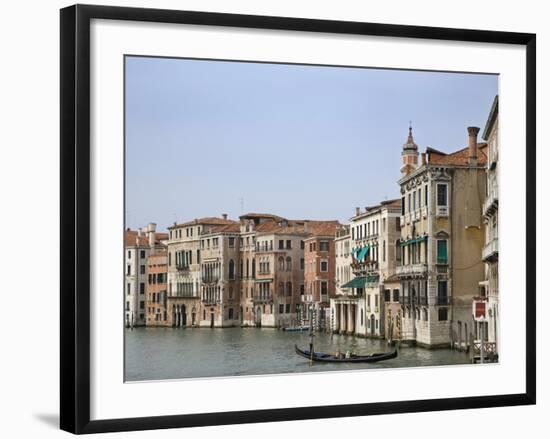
{"x": 489, "y": 253}
{"x": 210, "y": 279}
{"x": 442, "y": 211}
{"x": 490, "y": 205}
{"x": 262, "y": 298}
{"x": 405, "y": 300}
{"x": 411, "y": 270}
{"x": 183, "y": 267}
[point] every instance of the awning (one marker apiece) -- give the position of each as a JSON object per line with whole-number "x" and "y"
{"x": 362, "y": 253}
{"x": 414, "y": 240}
{"x": 358, "y": 282}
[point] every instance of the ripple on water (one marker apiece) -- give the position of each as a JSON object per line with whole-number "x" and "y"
{"x": 169, "y": 353}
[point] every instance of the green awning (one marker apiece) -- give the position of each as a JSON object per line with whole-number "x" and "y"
{"x": 362, "y": 253}
{"x": 414, "y": 240}
{"x": 358, "y": 282}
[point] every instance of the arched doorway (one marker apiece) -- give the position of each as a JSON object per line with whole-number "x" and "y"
{"x": 212, "y": 317}
{"x": 241, "y": 314}
{"x": 372, "y": 324}
{"x": 258, "y": 317}
{"x": 183, "y": 316}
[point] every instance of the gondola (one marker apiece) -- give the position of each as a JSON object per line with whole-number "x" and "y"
{"x": 297, "y": 329}
{"x": 327, "y": 358}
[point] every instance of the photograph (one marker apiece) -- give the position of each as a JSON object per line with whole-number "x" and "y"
{"x": 294, "y": 218}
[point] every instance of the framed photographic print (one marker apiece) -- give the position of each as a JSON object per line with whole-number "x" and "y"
{"x": 275, "y": 218}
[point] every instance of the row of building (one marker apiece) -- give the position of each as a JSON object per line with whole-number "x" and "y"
{"x": 422, "y": 267}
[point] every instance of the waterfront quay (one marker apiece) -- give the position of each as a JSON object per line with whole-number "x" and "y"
{"x": 170, "y": 353}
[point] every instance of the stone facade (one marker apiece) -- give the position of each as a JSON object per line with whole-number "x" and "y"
{"x": 490, "y": 218}
{"x": 441, "y": 240}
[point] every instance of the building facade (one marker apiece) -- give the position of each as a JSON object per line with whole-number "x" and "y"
{"x": 373, "y": 235}
{"x": 441, "y": 241}
{"x": 185, "y": 271}
{"x": 319, "y": 266}
{"x": 490, "y": 218}
{"x": 156, "y": 289}
{"x": 138, "y": 245}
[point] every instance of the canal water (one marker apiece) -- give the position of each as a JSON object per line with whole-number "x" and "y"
{"x": 170, "y": 353}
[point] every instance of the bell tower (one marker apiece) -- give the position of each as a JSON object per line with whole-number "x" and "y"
{"x": 409, "y": 155}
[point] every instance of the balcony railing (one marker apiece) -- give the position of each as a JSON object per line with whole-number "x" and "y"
{"x": 443, "y": 300}
{"x": 490, "y": 251}
{"x": 182, "y": 267}
{"x": 490, "y": 204}
{"x": 411, "y": 269}
{"x": 210, "y": 279}
{"x": 262, "y": 298}
{"x": 405, "y": 300}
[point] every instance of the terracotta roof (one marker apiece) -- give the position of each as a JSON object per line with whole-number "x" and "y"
{"x": 261, "y": 215}
{"x": 314, "y": 227}
{"x": 131, "y": 239}
{"x": 457, "y": 158}
{"x": 235, "y": 227}
{"x": 210, "y": 220}
{"x": 160, "y": 236}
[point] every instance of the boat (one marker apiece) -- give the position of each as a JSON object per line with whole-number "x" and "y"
{"x": 353, "y": 358}
{"x": 297, "y": 329}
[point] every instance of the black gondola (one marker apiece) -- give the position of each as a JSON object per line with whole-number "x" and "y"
{"x": 353, "y": 358}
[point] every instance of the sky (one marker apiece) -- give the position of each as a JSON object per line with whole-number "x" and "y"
{"x": 210, "y": 137}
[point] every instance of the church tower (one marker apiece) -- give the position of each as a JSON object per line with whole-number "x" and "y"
{"x": 409, "y": 156}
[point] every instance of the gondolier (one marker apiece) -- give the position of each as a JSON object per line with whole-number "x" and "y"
{"x": 339, "y": 358}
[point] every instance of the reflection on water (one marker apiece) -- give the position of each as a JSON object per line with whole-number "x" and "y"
{"x": 169, "y": 353}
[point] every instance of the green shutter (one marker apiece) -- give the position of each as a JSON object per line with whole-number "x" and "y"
{"x": 441, "y": 251}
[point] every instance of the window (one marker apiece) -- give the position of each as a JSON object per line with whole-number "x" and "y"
{"x": 323, "y": 246}
{"x": 288, "y": 263}
{"x": 231, "y": 269}
{"x": 362, "y": 317}
{"x": 324, "y": 288}
{"x": 387, "y": 295}
{"x": 281, "y": 308}
{"x": 128, "y": 289}
{"x": 302, "y": 289}
{"x": 288, "y": 244}
{"x": 230, "y": 314}
{"x": 231, "y": 243}
{"x": 128, "y": 270}
{"x": 142, "y": 288}
{"x": 414, "y": 200}
{"x": 281, "y": 263}
{"x": 287, "y": 308}
{"x": 302, "y": 264}
{"x": 442, "y": 194}
{"x": 442, "y": 293}
{"x": 383, "y": 251}
{"x": 409, "y": 204}
{"x": 281, "y": 244}
{"x": 198, "y": 256}
{"x": 442, "y": 314}
{"x": 127, "y": 306}
{"x": 302, "y": 245}
{"x": 142, "y": 254}
{"x": 402, "y": 205}
{"x": 289, "y": 288}
{"x": 324, "y": 266}
{"x": 396, "y": 295}
{"x": 142, "y": 269}
{"x": 129, "y": 254}
{"x": 441, "y": 251}
{"x": 142, "y": 304}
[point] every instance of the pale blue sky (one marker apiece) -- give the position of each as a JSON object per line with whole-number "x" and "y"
{"x": 297, "y": 141}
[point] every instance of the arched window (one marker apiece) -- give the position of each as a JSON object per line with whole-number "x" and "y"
{"x": 253, "y": 267}
{"x": 281, "y": 264}
{"x": 289, "y": 288}
{"x": 231, "y": 269}
{"x": 230, "y": 314}
{"x": 361, "y": 317}
{"x": 247, "y": 268}
{"x": 288, "y": 263}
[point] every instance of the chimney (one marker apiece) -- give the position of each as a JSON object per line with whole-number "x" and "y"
{"x": 224, "y": 216}
{"x": 472, "y": 145}
{"x": 357, "y": 210}
{"x": 423, "y": 158}
{"x": 306, "y": 226}
{"x": 151, "y": 229}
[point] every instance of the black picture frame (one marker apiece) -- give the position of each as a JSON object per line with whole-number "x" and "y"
{"x": 75, "y": 217}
